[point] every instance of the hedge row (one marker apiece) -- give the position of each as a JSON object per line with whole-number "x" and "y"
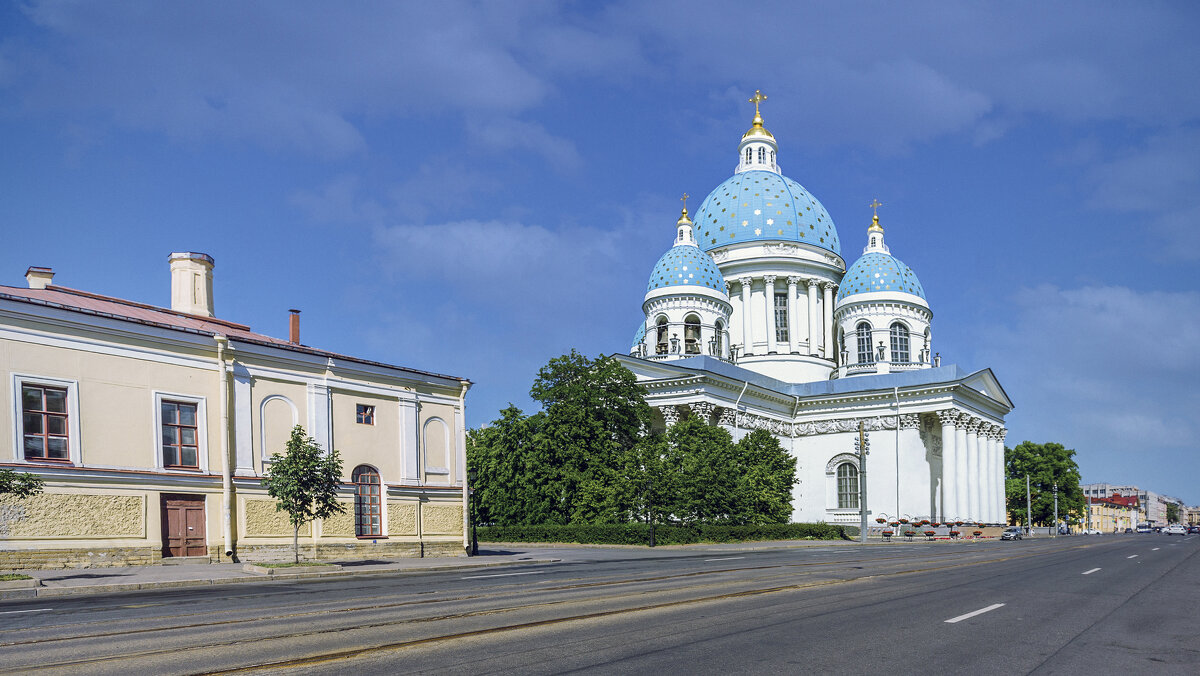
{"x": 639, "y": 533}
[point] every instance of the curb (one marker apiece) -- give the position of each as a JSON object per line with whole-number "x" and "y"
{"x": 48, "y": 592}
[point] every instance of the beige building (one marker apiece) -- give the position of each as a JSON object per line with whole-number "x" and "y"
{"x": 1114, "y": 513}
{"x": 152, "y": 428}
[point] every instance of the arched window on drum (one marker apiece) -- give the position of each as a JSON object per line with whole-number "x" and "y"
{"x": 900, "y": 343}
{"x": 865, "y": 355}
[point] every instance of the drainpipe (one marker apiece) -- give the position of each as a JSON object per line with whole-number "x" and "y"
{"x": 738, "y": 403}
{"x": 461, "y": 432}
{"x": 226, "y": 475}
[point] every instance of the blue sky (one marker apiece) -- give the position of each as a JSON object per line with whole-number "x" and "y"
{"x": 475, "y": 188}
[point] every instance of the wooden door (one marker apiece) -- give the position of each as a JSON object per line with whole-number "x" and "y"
{"x": 183, "y": 526}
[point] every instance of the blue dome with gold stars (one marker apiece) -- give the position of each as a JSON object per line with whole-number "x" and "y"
{"x": 877, "y": 271}
{"x": 639, "y": 336}
{"x": 763, "y": 205}
{"x": 686, "y": 265}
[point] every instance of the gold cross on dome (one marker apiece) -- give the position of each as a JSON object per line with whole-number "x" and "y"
{"x": 684, "y": 199}
{"x": 758, "y": 98}
{"x": 875, "y": 204}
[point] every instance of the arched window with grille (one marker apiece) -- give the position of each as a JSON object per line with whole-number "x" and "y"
{"x": 900, "y": 352}
{"x": 762, "y": 155}
{"x": 368, "y": 505}
{"x": 847, "y": 486}
{"x": 691, "y": 334}
{"x": 719, "y": 340}
{"x": 864, "y": 344}
{"x": 660, "y": 336}
{"x": 749, "y": 155}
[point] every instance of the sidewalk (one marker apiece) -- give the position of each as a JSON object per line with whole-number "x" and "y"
{"x": 67, "y": 582}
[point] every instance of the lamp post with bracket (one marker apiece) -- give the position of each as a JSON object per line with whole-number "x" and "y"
{"x": 862, "y": 447}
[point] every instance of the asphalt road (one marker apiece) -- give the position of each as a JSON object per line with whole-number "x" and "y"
{"x": 1113, "y": 603}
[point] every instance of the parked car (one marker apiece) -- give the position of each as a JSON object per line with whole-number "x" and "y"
{"x": 1091, "y": 531}
{"x": 1144, "y": 528}
{"x": 1011, "y": 533}
{"x": 1128, "y": 530}
{"x": 1175, "y": 529}
{"x": 1193, "y": 530}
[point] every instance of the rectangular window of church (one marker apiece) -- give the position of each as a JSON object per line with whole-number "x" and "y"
{"x": 781, "y": 318}
{"x": 44, "y": 423}
{"x": 180, "y": 435}
{"x": 364, "y": 414}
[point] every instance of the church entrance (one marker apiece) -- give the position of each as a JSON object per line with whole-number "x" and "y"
{"x": 183, "y": 526}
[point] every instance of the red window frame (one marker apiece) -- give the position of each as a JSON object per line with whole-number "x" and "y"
{"x": 368, "y": 502}
{"x": 175, "y": 433}
{"x": 364, "y": 413}
{"x": 42, "y": 419}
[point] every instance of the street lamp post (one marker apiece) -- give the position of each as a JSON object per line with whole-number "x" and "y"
{"x": 471, "y": 475}
{"x": 862, "y": 445}
{"x": 1056, "y": 506}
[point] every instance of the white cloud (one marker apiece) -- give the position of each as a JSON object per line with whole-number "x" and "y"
{"x": 502, "y": 134}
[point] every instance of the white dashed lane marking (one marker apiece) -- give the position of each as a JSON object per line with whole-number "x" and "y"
{"x": 1131, "y": 556}
{"x": 728, "y": 558}
{"x": 1089, "y": 572}
{"x": 981, "y": 611}
{"x": 31, "y": 610}
{"x": 476, "y": 577}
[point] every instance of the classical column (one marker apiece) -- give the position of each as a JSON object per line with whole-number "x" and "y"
{"x": 960, "y": 467}
{"x": 793, "y": 320}
{"x": 827, "y": 287}
{"x": 747, "y": 346}
{"x": 1001, "y": 471}
{"x": 949, "y": 420}
{"x": 703, "y": 410}
{"x": 811, "y": 284}
{"x": 974, "y": 470}
{"x": 987, "y": 471}
{"x": 670, "y": 414}
{"x": 769, "y": 292}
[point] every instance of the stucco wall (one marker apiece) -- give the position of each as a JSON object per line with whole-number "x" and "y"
{"x": 438, "y": 443}
{"x": 441, "y": 519}
{"x": 340, "y": 525}
{"x": 261, "y": 520}
{"x": 402, "y": 518}
{"x": 73, "y": 515}
{"x": 377, "y": 445}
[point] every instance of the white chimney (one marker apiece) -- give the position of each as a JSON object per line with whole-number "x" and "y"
{"x": 38, "y": 278}
{"x": 191, "y": 283}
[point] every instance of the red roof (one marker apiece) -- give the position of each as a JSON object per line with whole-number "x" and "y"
{"x": 1117, "y": 500}
{"x": 84, "y": 302}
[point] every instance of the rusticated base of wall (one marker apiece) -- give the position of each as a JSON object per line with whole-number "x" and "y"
{"x": 102, "y": 557}
{"x": 92, "y": 557}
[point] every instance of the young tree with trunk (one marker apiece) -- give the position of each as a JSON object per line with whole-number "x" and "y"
{"x": 304, "y": 482}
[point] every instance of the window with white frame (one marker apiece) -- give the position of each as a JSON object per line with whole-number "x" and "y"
{"x": 899, "y": 334}
{"x": 781, "y": 317}
{"x": 44, "y": 417}
{"x": 179, "y": 429}
{"x": 47, "y": 419}
{"x": 865, "y": 356}
{"x": 847, "y": 486}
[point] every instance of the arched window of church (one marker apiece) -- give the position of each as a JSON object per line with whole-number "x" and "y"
{"x": 719, "y": 340}
{"x": 928, "y": 347}
{"x": 691, "y": 334}
{"x": 781, "y": 317}
{"x": 772, "y": 158}
{"x": 847, "y": 486}
{"x": 660, "y": 342}
{"x": 762, "y": 155}
{"x": 749, "y": 155}
{"x": 368, "y": 520}
{"x": 900, "y": 343}
{"x": 864, "y": 344}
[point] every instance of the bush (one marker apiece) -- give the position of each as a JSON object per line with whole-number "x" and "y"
{"x": 639, "y": 533}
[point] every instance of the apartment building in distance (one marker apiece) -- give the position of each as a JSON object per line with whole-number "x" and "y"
{"x": 152, "y": 428}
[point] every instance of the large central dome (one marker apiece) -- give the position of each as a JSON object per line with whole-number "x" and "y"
{"x": 762, "y": 205}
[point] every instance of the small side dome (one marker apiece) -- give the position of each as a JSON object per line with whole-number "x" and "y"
{"x": 877, "y": 271}
{"x": 638, "y": 337}
{"x": 686, "y": 265}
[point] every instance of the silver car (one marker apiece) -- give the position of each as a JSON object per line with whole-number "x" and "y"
{"x": 1011, "y": 533}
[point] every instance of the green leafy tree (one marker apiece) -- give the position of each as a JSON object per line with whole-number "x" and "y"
{"x": 1172, "y": 512}
{"x": 769, "y": 472}
{"x": 304, "y": 482}
{"x": 20, "y": 484}
{"x": 709, "y": 489}
{"x": 1046, "y": 464}
{"x": 594, "y": 415}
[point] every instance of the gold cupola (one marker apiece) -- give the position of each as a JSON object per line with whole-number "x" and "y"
{"x": 757, "y": 128}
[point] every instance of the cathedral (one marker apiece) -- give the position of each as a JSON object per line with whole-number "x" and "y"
{"x": 752, "y": 320}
